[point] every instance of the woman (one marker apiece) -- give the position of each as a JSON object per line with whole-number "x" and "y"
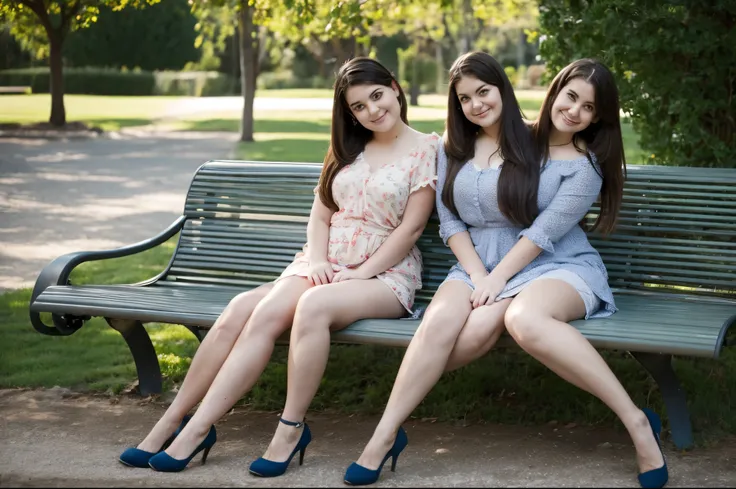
{"x": 373, "y": 201}
{"x": 532, "y": 264}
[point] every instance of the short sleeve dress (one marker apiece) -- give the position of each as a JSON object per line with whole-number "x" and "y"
{"x": 371, "y": 205}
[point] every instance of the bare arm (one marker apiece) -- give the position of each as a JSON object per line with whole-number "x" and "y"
{"x": 404, "y": 237}
{"x": 464, "y": 250}
{"x": 318, "y": 235}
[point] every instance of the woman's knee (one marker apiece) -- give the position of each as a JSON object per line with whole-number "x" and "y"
{"x": 523, "y": 323}
{"x": 271, "y": 317}
{"x": 440, "y": 326}
{"x": 233, "y": 319}
{"x": 313, "y": 311}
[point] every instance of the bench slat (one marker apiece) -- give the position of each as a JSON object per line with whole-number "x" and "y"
{"x": 672, "y": 326}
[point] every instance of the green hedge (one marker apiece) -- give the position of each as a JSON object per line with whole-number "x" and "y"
{"x": 100, "y": 81}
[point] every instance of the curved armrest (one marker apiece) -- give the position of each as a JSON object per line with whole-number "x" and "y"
{"x": 57, "y": 273}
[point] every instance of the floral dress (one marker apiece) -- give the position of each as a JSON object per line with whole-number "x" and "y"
{"x": 371, "y": 205}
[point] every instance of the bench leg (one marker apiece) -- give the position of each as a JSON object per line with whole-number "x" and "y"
{"x": 197, "y": 332}
{"x": 659, "y": 367}
{"x": 144, "y": 355}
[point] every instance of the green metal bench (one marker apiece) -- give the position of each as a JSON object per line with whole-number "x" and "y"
{"x": 672, "y": 265}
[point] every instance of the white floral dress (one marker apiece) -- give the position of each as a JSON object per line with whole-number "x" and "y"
{"x": 371, "y": 205}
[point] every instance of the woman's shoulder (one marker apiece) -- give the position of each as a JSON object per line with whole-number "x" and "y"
{"x": 419, "y": 138}
{"x": 575, "y": 163}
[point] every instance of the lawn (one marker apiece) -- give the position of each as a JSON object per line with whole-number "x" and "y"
{"x": 293, "y": 135}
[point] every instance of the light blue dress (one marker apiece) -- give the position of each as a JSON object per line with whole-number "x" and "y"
{"x": 567, "y": 189}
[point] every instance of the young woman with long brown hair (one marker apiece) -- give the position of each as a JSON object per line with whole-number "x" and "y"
{"x": 375, "y": 195}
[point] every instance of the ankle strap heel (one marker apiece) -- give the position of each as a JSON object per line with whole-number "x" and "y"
{"x": 295, "y": 424}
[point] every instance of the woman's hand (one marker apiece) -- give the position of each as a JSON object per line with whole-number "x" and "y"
{"x": 349, "y": 274}
{"x": 486, "y": 290}
{"x": 320, "y": 273}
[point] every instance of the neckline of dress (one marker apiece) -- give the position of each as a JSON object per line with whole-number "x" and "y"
{"x": 361, "y": 155}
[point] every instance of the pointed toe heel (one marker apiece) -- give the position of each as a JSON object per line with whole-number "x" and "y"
{"x": 357, "y": 475}
{"x": 657, "y": 478}
{"x": 134, "y": 457}
{"x": 267, "y": 468}
{"x": 163, "y": 462}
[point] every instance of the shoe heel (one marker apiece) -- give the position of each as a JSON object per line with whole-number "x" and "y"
{"x": 394, "y": 459}
{"x": 204, "y": 455}
{"x": 301, "y": 455}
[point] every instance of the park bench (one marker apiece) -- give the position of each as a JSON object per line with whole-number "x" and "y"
{"x": 671, "y": 264}
{"x": 14, "y": 89}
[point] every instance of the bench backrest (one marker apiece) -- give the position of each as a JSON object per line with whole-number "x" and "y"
{"x": 246, "y": 220}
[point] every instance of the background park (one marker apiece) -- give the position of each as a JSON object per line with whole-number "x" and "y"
{"x": 258, "y": 75}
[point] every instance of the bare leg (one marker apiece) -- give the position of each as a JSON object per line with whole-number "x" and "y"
{"x": 537, "y": 319}
{"x": 481, "y": 331}
{"x": 272, "y": 316}
{"x": 316, "y": 315}
{"x": 207, "y": 361}
{"x": 422, "y": 366}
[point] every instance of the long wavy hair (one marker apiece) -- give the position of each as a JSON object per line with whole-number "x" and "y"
{"x": 602, "y": 138}
{"x": 348, "y": 139}
{"x": 519, "y": 180}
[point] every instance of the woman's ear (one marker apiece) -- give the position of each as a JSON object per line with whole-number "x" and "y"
{"x": 395, "y": 87}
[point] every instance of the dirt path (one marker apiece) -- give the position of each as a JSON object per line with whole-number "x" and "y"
{"x": 56, "y": 438}
{"x": 59, "y": 196}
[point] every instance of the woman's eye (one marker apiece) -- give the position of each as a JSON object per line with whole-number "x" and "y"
{"x": 589, "y": 108}
{"x": 358, "y": 107}
{"x": 569, "y": 95}
{"x": 483, "y": 92}
{"x": 377, "y": 95}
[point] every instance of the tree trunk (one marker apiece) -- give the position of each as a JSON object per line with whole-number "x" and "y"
{"x": 58, "y": 112}
{"x": 414, "y": 87}
{"x": 248, "y": 68}
{"x": 440, "y": 81}
{"x": 467, "y": 37}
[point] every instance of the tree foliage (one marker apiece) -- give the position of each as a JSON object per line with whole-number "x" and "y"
{"x": 42, "y": 26}
{"x": 675, "y": 65}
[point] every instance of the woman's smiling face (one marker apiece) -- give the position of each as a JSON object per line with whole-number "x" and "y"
{"x": 481, "y": 102}
{"x": 574, "y": 108}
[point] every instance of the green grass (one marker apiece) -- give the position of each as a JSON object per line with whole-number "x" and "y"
{"x": 283, "y": 135}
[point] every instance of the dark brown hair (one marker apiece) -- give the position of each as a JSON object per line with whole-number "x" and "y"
{"x": 602, "y": 138}
{"x": 348, "y": 139}
{"x": 519, "y": 180}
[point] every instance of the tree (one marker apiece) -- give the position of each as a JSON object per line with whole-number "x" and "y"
{"x": 296, "y": 20}
{"x": 674, "y": 63}
{"x": 453, "y": 25}
{"x": 43, "y": 26}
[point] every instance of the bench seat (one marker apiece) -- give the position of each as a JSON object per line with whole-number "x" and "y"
{"x": 656, "y": 323}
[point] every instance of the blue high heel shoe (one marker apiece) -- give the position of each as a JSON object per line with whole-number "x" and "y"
{"x": 357, "y": 475}
{"x": 268, "y": 468}
{"x": 658, "y": 477}
{"x": 163, "y": 462}
{"x": 134, "y": 457}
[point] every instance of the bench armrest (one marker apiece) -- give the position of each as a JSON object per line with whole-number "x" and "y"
{"x": 57, "y": 273}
